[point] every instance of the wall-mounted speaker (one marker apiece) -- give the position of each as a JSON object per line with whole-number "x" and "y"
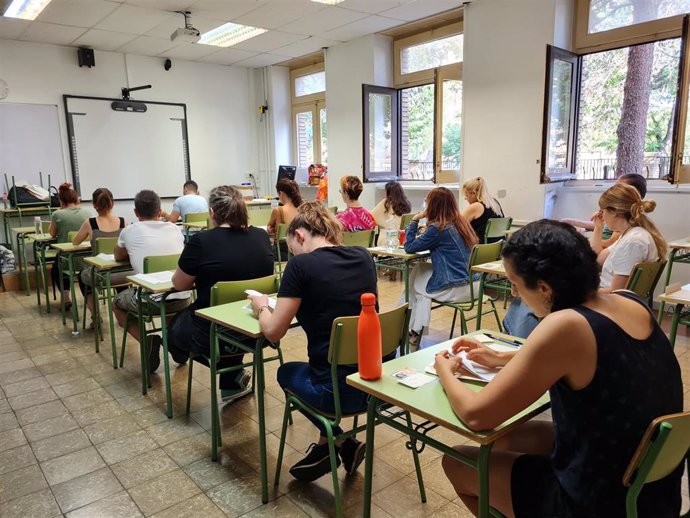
{"x": 86, "y": 57}
{"x": 167, "y": 64}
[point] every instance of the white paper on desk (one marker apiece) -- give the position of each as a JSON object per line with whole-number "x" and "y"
{"x": 155, "y": 278}
{"x": 477, "y": 372}
{"x": 272, "y": 301}
{"x": 686, "y": 287}
{"x": 416, "y": 380}
{"x": 106, "y": 257}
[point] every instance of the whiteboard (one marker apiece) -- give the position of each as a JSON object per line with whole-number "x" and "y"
{"x": 127, "y": 151}
{"x": 30, "y": 143}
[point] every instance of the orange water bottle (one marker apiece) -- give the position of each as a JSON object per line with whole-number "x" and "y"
{"x": 369, "y": 339}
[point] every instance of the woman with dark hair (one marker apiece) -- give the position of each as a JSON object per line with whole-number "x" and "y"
{"x": 290, "y": 199}
{"x": 355, "y": 217}
{"x": 68, "y": 218}
{"x": 104, "y": 225}
{"x": 389, "y": 210}
{"x": 609, "y": 369}
{"x": 449, "y": 238}
{"x": 230, "y": 251}
{"x": 323, "y": 281}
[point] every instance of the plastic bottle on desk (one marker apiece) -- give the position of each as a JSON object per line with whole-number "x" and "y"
{"x": 37, "y": 224}
{"x": 369, "y": 352}
{"x": 422, "y": 222}
{"x": 391, "y": 234}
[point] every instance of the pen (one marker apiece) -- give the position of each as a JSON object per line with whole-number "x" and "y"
{"x": 504, "y": 340}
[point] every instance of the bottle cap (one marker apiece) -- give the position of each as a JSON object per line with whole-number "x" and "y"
{"x": 368, "y": 299}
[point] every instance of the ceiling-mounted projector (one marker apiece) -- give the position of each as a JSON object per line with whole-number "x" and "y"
{"x": 186, "y": 34}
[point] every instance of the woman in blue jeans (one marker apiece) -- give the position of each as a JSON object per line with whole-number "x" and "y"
{"x": 323, "y": 281}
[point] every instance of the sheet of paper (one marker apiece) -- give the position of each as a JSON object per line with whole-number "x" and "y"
{"x": 416, "y": 380}
{"x": 155, "y": 278}
{"x": 106, "y": 257}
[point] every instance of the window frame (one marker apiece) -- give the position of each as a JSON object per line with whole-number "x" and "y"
{"x": 311, "y": 102}
{"x": 369, "y": 176}
{"x": 301, "y": 72}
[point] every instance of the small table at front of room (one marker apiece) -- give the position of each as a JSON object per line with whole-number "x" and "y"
{"x": 681, "y": 299}
{"x": 20, "y": 253}
{"x": 41, "y": 244}
{"x": 25, "y": 212}
{"x": 679, "y": 253}
{"x": 390, "y": 401}
{"x": 238, "y": 317}
{"x": 495, "y": 268}
{"x": 102, "y": 269}
{"x": 67, "y": 252}
{"x": 399, "y": 260}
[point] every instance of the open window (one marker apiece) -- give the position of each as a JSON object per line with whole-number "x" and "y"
{"x": 309, "y": 121}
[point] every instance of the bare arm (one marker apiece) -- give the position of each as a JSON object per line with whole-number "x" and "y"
{"x": 608, "y": 242}
{"x": 595, "y": 241}
{"x": 275, "y": 324}
{"x": 473, "y": 211}
{"x": 272, "y": 224}
{"x": 52, "y": 229}
{"x": 120, "y": 253}
{"x": 579, "y": 223}
{"x": 181, "y": 281}
{"x": 619, "y": 282}
{"x": 84, "y": 233}
{"x": 172, "y": 217}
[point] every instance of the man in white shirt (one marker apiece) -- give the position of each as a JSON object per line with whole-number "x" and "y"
{"x": 146, "y": 237}
{"x": 188, "y": 203}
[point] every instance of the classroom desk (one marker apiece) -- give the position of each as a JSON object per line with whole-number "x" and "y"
{"x": 20, "y": 252}
{"x": 238, "y": 318}
{"x": 681, "y": 299}
{"x": 679, "y": 253}
{"x": 399, "y": 260}
{"x": 41, "y": 243}
{"x": 102, "y": 269}
{"x": 67, "y": 252}
{"x": 194, "y": 225}
{"x": 145, "y": 291}
{"x": 257, "y": 203}
{"x": 495, "y": 268}
{"x": 9, "y": 214}
{"x": 390, "y": 401}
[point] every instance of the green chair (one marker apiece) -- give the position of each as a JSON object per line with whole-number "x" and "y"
{"x": 663, "y": 447}
{"x": 405, "y": 220}
{"x": 259, "y": 217}
{"x": 281, "y": 237}
{"x": 496, "y": 228}
{"x": 333, "y": 209}
{"x": 480, "y": 254}
{"x": 145, "y": 316}
{"x": 644, "y": 278}
{"x": 101, "y": 245}
{"x": 224, "y": 293}
{"x": 343, "y": 351}
{"x": 363, "y": 238}
{"x": 40, "y": 271}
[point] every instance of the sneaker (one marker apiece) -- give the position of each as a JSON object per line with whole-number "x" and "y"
{"x": 155, "y": 342}
{"x": 352, "y": 452}
{"x": 179, "y": 356}
{"x": 413, "y": 340}
{"x": 229, "y": 396}
{"x": 316, "y": 464}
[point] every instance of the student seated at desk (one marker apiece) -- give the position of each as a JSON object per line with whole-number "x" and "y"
{"x": 188, "y": 203}
{"x": 482, "y": 206}
{"x": 450, "y": 238}
{"x": 147, "y": 237}
{"x": 231, "y": 251}
{"x": 609, "y": 369}
{"x": 68, "y": 218}
{"x": 290, "y": 199}
{"x": 608, "y": 236}
{"x": 355, "y": 217}
{"x": 389, "y": 211}
{"x": 623, "y": 211}
{"x": 323, "y": 281}
{"x": 104, "y": 225}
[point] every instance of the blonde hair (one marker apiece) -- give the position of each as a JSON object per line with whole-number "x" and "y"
{"x": 625, "y": 201}
{"x": 352, "y": 186}
{"x": 477, "y": 187}
{"x": 315, "y": 218}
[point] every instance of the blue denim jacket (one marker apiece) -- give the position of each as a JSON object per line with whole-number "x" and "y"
{"x": 449, "y": 255}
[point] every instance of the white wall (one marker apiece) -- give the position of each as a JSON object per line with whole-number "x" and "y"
{"x": 366, "y": 60}
{"x": 222, "y": 146}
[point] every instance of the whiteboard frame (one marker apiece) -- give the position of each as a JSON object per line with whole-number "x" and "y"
{"x": 72, "y": 149}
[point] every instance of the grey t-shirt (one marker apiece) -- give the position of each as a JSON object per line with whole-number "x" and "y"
{"x": 68, "y": 220}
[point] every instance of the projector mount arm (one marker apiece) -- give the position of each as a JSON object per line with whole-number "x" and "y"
{"x": 126, "y": 91}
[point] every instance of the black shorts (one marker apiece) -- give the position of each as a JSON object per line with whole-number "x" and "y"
{"x": 535, "y": 491}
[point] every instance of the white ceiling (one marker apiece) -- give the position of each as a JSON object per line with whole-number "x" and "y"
{"x": 295, "y": 27}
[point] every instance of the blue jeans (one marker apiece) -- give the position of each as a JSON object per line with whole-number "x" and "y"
{"x": 297, "y": 377}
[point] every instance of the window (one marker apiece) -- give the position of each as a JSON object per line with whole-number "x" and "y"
{"x": 605, "y": 15}
{"x": 413, "y": 132}
{"x": 310, "y": 132}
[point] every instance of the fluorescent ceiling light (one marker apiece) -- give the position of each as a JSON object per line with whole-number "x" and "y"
{"x": 229, "y": 34}
{"x": 25, "y": 9}
{"x": 329, "y": 2}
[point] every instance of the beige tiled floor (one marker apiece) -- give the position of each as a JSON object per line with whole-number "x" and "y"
{"x": 78, "y": 439}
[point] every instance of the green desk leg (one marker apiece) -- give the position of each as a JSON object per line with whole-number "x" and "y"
{"x": 95, "y": 314}
{"x": 369, "y": 455}
{"x": 44, "y": 274}
{"x": 480, "y": 301}
{"x": 58, "y": 260}
{"x": 166, "y": 361}
{"x": 406, "y": 274}
{"x": 669, "y": 267}
{"x": 674, "y": 324}
{"x": 260, "y": 389}
{"x": 23, "y": 267}
{"x": 483, "y": 473}
{"x": 75, "y": 309}
{"x": 143, "y": 345}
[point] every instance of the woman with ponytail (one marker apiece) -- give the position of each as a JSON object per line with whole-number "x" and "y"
{"x": 623, "y": 210}
{"x": 323, "y": 281}
{"x": 482, "y": 206}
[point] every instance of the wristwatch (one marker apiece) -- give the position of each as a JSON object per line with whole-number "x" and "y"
{"x": 265, "y": 307}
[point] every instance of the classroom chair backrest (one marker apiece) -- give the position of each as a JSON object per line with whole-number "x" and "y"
{"x": 160, "y": 263}
{"x": 496, "y": 228}
{"x": 485, "y": 253}
{"x": 259, "y": 217}
{"x": 104, "y": 245}
{"x": 643, "y": 279}
{"x": 333, "y": 209}
{"x": 405, "y": 220}
{"x": 195, "y": 216}
{"x": 363, "y": 238}
{"x": 663, "y": 447}
{"x": 71, "y": 235}
{"x": 232, "y": 291}
{"x": 45, "y": 226}
{"x": 281, "y": 231}
{"x": 343, "y": 345}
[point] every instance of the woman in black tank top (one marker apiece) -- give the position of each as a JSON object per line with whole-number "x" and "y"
{"x": 609, "y": 370}
{"x": 481, "y": 206}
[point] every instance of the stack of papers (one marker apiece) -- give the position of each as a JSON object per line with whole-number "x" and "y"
{"x": 475, "y": 371}
{"x": 155, "y": 278}
{"x": 106, "y": 257}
